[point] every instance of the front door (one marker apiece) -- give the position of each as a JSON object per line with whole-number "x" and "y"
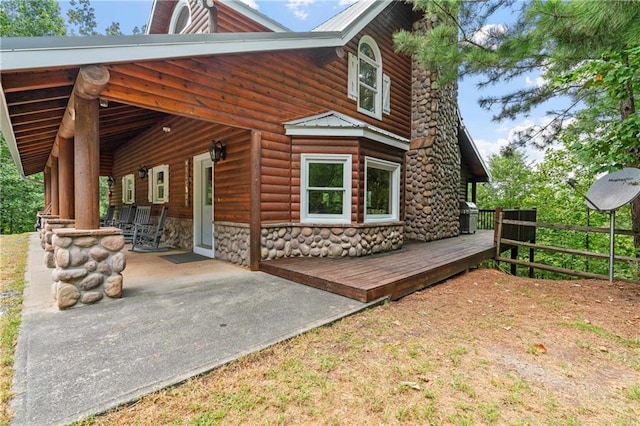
{"x": 203, "y": 205}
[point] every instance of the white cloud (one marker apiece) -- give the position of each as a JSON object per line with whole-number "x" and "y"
{"x": 537, "y": 81}
{"x": 508, "y": 133}
{"x": 485, "y": 35}
{"x": 300, "y": 8}
{"x": 250, "y": 3}
{"x": 346, "y": 2}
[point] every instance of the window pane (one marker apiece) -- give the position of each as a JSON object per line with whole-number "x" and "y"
{"x": 378, "y": 191}
{"x": 366, "y": 50}
{"x": 325, "y": 175}
{"x": 160, "y": 177}
{"x": 325, "y": 201}
{"x": 183, "y": 20}
{"x": 208, "y": 186}
{"x": 368, "y": 74}
{"x": 367, "y": 99}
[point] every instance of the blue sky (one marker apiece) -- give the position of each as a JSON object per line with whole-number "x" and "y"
{"x": 303, "y": 15}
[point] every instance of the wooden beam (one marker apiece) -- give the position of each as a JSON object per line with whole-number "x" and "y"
{"x": 255, "y": 224}
{"x": 65, "y": 181}
{"x": 87, "y": 163}
{"x": 55, "y": 200}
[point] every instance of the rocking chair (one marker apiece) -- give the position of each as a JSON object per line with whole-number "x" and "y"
{"x": 146, "y": 238}
{"x": 107, "y": 220}
{"x": 141, "y": 218}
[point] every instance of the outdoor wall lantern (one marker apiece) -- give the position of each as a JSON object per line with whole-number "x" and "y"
{"x": 111, "y": 181}
{"x": 143, "y": 171}
{"x": 217, "y": 151}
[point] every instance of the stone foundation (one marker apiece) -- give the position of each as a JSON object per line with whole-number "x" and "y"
{"x": 42, "y": 222}
{"x": 46, "y": 237}
{"x": 232, "y": 242}
{"x": 88, "y": 265}
{"x": 178, "y": 233}
{"x": 299, "y": 240}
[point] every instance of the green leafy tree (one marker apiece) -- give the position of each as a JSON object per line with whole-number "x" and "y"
{"x": 81, "y": 17}
{"x": 20, "y": 199}
{"x": 510, "y": 186}
{"x": 22, "y": 18}
{"x": 585, "y": 52}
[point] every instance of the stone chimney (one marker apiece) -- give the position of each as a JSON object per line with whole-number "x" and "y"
{"x": 433, "y": 160}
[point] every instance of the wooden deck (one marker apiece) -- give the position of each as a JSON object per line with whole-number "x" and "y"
{"x": 393, "y": 274}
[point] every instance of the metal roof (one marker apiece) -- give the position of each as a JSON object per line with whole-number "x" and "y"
{"x": 332, "y": 123}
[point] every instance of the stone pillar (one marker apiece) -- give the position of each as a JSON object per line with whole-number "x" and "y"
{"x": 49, "y": 225}
{"x": 433, "y": 160}
{"x": 89, "y": 265}
{"x": 43, "y": 218}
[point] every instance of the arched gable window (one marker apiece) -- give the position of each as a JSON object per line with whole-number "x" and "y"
{"x": 369, "y": 77}
{"x": 181, "y": 17}
{"x": 367, "y": 84}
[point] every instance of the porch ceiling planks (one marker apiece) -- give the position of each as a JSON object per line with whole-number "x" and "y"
{"x": 393, "y": 274}
{"x": 36, "y": 103}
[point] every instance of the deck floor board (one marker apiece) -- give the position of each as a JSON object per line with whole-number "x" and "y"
{"x": 393, "y": 274}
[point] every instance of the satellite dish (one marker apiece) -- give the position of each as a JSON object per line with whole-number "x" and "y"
{"x": 614, "y": 190}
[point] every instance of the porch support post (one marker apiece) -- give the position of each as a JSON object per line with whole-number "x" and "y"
{"x": 255, "y": 225}
{"x": 87, "y": 161}
{"x": 47, "y": 187}
{"x": 91, "y": 80}
{"x": 55, "y": 194}
{"x": 65, "y": 170}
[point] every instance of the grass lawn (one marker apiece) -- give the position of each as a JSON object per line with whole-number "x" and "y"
{"x": 13, "y": 259}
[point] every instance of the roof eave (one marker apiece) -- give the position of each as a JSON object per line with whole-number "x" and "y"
{"x": 163, "y": 47}
{"x": 355, "y": 132}
{"x": 7, "y": 132}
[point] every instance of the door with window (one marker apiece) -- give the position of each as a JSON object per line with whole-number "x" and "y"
{"x": 203, "y": 205}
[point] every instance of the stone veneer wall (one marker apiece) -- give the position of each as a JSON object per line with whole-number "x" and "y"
{"x": 232, "y": 242}
{"x": 300, "y": 240}
{"x": 178, "y": 233}
{"x": 88, "y": 265}
{"x": 433, "y": 161}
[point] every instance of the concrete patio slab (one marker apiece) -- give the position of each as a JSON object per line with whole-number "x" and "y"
{"x": 174, "y": 322}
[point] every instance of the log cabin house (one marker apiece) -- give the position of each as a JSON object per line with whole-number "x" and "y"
{"x": 329, "y": 143}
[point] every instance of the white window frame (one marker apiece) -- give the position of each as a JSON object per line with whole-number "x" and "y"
{"x": 154, "y": 186}
{"x": 347, "y": 166}
{"x": 129, "y": 196}
{"x": 377, "y": 63}
{"x": 395, "y": 169}
{"x": 177, "y": 10}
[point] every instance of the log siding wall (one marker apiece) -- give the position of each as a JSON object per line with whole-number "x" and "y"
{"x": 260, "y": 92}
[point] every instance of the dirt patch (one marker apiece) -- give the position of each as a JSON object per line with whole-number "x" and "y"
{"x": 482, "y": 348}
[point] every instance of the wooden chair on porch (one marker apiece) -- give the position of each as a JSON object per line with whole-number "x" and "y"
{"x": 146, "y": 238}
{"x": 141, "y": 217}
{"x": 125, "y": 218}
{"x": 107, "y": 220}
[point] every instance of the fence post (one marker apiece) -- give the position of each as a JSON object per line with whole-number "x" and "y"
{"x": 497, "y": 234}
{"x": 532, "y": 251}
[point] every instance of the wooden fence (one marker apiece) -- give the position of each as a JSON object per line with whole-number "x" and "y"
{"x": 512, "y": 233}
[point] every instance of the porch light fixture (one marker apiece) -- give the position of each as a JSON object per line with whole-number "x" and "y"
{"x": 143, "y": 171}
{"x": 111, "y": 181}
{"x": 218, "y": 151}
